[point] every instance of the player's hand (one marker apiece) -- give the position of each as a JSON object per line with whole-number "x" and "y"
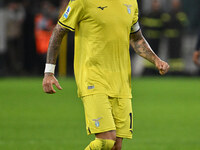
{"x": 196, "y": 56}
{"x": 48, "y": 81}
{"x": 162, "y": 66}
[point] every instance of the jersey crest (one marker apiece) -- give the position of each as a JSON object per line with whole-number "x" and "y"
{"x": 97, "y": 124}
{"x": 128, "y": 8}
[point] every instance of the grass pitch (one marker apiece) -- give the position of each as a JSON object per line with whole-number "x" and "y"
{"x": 166, "y": 115}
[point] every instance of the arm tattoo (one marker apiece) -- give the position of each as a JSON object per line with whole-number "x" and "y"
{"x": 141, "y": 47}
{"x": 54, "y": 43}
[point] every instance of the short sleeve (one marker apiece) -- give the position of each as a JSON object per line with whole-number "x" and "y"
{"x": 135, "y": 25}
{"x": 72, "y": 15}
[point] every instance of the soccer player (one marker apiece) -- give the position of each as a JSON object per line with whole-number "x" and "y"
{"x": 196, "y": 54}
{"x": 103, "y": 31}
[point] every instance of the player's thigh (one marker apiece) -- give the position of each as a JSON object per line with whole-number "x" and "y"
{"x": 123, "y": 116}
{"x": 98, "y": 114}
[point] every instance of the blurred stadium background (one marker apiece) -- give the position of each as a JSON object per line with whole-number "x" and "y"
{"x": 166, "y": 109}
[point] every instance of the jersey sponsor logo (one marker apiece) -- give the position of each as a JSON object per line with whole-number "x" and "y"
{"x": 102, "y": 8}
{"x": 128, "y": 8}
{"x": 97, "y": 124}
{"x": 67, "y": 12}
{"x": 90, "y": 87}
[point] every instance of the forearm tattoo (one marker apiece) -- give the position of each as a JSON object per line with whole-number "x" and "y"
{"x": 141, "y": 47}
{"x": 54, "y": 43}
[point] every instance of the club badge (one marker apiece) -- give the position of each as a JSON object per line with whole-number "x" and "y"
{"x": 97, "y": 124}
{"x": 128, "y": 8}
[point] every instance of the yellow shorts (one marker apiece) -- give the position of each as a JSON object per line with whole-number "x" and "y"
{"x": 103, "y": 113}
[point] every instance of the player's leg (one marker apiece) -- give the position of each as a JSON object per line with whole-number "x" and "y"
{"x": 122, "y": 113}
{"x": 107, "y": 135}
{"x": 105, "y": 141}
{"x": 99, "y": 121}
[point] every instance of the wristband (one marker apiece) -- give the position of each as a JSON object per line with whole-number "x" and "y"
{"x": 135, "y": 28}
{"x": 50, "y": 68}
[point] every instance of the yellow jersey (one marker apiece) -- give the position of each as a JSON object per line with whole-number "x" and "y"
{"x": 102, "y": 31}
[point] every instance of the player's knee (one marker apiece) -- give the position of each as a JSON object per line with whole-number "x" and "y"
{"x": 112, "y": 136}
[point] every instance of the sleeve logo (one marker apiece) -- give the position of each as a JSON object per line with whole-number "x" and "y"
{"x": 66, "y": 14}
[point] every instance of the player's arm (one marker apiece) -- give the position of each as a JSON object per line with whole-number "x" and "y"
{"x": 142, "y": 48}
{"x": 196, "y": 56}
{"x": 53, "y": 51}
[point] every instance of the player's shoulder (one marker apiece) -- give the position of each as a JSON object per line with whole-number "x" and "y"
{"x": 134, "y": 2}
